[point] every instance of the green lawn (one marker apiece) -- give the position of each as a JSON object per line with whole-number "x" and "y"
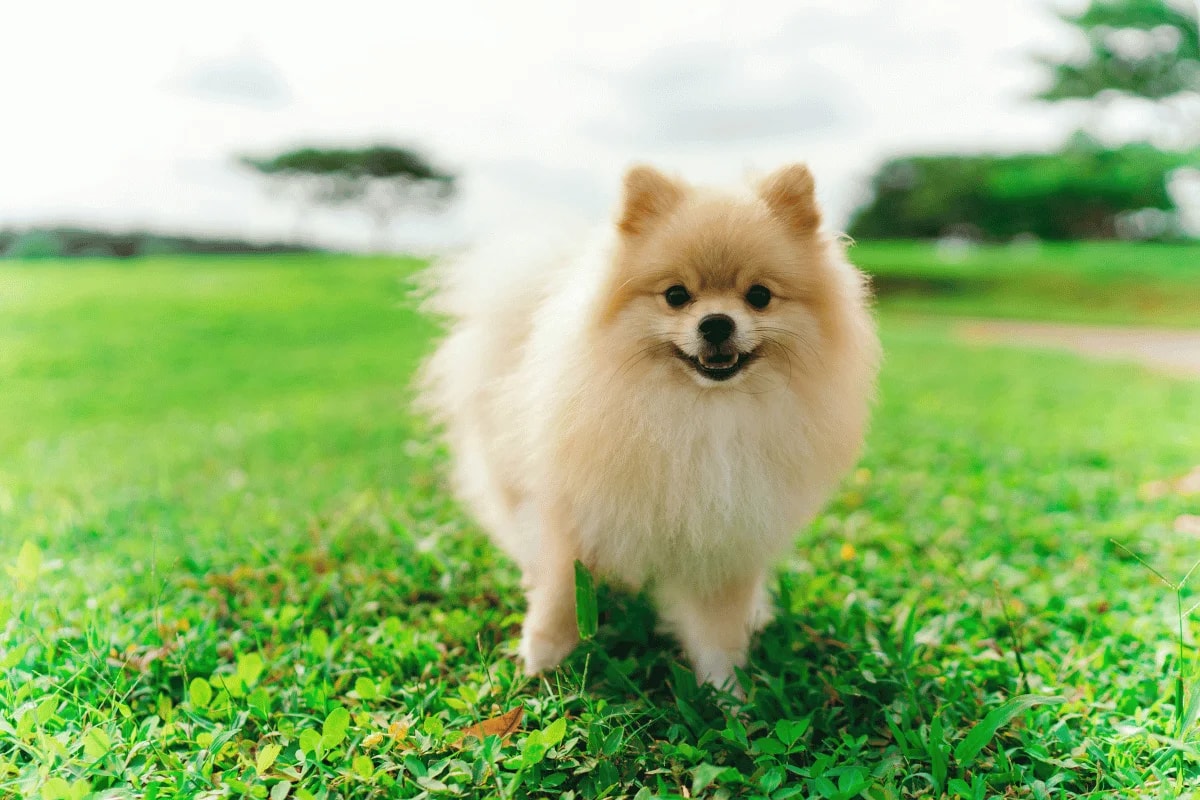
{"x": 1100, "y": 282}
{"x": 232, "y": 570}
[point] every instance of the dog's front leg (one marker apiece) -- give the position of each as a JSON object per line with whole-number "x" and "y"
{"x": 550, "y": 632}
{"x": 715, "y": 625}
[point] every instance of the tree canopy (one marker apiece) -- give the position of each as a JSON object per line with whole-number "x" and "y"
{"x": 1082, "y": 192}
{"x": 1141, "y": 48}
{"x": 377, "y": 161}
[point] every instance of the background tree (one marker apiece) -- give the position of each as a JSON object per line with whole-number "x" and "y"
{"x": 383, "y": 180}
{"x": 1146, "y": 49}
{"x": 69, "y": 242}
{"x": 1084, "y": 191}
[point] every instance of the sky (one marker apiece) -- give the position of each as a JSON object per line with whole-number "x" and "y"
{"x": 130, "y": 114}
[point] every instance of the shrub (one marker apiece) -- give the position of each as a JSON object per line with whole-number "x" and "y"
{"x": 1078, "y": 193}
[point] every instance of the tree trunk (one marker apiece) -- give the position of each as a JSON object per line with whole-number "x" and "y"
{"x": 300, "y": 223}
{"x": 381, "y": 217}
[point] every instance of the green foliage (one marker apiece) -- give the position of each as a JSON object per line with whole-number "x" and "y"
{"x": 986, "y": 729}
{"x": 1079, "y": 193}
{"x": 1142, "y": 48}
{"x": 243, "y": 577}
{"x": 378, "y": 161}
{"x": 35, "y": 244}
{"x": 44, "y": 243}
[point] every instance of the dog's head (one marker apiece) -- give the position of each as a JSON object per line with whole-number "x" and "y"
{"x": 728, "y": 290}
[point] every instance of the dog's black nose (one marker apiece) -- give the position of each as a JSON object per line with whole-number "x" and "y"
{"x": 716, "y": 328}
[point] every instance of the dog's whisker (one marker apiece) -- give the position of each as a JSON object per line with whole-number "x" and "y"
{"x": 640, "y": 356}
{"x": 800, "y": 340}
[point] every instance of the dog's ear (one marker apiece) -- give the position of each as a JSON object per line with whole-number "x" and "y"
{"x": 649, "y": 195}
{"x": 788, "y": 192}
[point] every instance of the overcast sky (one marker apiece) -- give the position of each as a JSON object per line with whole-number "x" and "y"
{"x": 129, "y": 113}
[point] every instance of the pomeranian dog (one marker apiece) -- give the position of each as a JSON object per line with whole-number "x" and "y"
{"x": 669, "y": 406}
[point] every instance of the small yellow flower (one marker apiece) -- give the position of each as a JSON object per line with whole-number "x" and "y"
{"x": 373, "y": 740}
{"x": 848, "y": 552}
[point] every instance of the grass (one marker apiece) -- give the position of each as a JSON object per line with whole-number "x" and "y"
{"x": 231, "y": 570}
{"x": 1092, "y": 282}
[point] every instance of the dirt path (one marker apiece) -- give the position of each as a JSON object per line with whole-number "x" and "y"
{"x": 1174, "y": 352}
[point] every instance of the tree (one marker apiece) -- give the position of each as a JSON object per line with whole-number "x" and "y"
{"x": 1082, "y": 192}
{"x": 383, "y": 180}
{"x": 33, "y": 245}
{"x": 1146, "y": 49}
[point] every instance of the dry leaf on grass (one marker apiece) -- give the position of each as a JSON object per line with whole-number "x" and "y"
{"x": 1154, "y": 490}
{"x": 1188, "y": 523}
{"x": 503, "y": 726}
{"x": 1183, "y": 486}
{"x": 1189, "y": 484}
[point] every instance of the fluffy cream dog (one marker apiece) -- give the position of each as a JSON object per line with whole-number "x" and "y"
{"x": 669, "y": 406}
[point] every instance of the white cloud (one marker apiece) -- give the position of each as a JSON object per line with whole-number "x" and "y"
{"x": 713, "y": 93}
{"x": 243, "y": 77}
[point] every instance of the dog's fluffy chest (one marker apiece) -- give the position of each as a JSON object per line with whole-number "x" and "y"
{"x": 699, "y": 486}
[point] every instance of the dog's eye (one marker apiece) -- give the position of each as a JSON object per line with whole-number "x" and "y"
{"x": 677, "y": 296}
{"x": 758, "y": 296}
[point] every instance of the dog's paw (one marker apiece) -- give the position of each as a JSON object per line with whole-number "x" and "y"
{"x": 540, "y": 653}
{"x": 718, "y": 669}
{"x": 730, "y": 686}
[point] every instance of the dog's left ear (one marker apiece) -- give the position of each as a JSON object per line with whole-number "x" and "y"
{"x": 789, "y": 192}
{"x": 649, "y": 195}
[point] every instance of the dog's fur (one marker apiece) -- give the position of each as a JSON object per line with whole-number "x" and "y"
{"x": 582, "y": 423}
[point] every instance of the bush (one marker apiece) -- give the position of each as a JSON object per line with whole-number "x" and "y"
{"x": 1078, "y": 193}
{"x": 33, "y": 245}
{"x": 85, "y": 243}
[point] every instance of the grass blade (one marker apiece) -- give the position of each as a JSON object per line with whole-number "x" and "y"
{"x": 587, "y": 612}
{"x": 985, "y": 730}
{"x": 1143, "y": 562}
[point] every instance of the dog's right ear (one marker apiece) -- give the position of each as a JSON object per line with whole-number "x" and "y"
{"x": 649, "y": 195}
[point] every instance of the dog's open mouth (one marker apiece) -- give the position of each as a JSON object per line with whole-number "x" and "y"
{"x": 718, "y": 366}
